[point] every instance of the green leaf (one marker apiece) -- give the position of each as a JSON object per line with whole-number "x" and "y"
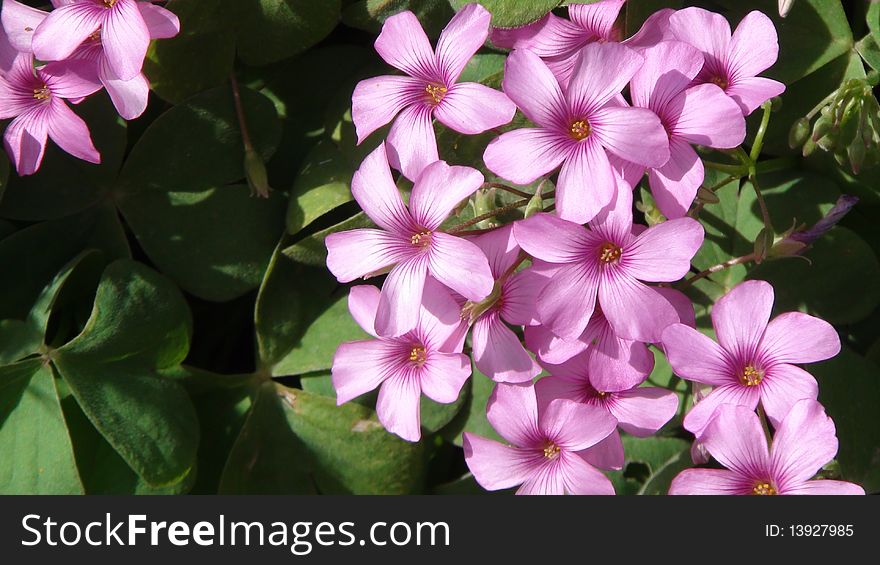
{"x": 66, "y": 185}
{"x": 197, "y": 145}
{"x": 435, "y": 416}
{"x": 840, "y": 285}
{"x": 639, "y": 11}
{"x": 349, "y": 450}
{"x": 196, "y": 237}
{"x": 200, "y": 57}
{"x": 18, "y": 339}
{"x": 849, "y": 388}
{"x": 36, "y": 253}
{"x": 868, "y": 48}
{"x": 301, "y": 319}
{"x": 37, "y": 451}
{"x": 472, "y": 417}
{"x": 311, "y": 250}
{"x": 4, "y": 174}
{"x": 323, "y": 184}
{"x": 513, "y": 14}
{"x": 267, "y": 458}
{"x": 140, "y": 324}
{"x": 271, "y": 30}
{"x": 646, "y": 461}
{"x": 369, "y": 15}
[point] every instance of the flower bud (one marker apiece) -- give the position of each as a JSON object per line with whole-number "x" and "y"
{"x": 763, "y": 244}
{"x": 799, "y": 133}
{"x": 255, "y": 172}
{"x": 706, "y": 196}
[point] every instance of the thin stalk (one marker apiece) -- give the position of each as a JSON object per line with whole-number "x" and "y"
{"x": 719, "y": 267}
{"x": 487, "y": 215}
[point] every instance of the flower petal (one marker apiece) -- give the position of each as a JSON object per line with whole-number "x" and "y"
{"x": 598, "y": 18}
{"x": 804, "y": 442}
{"x": 401, "y": 298}
{"x": 161, "y": 23}
{"x": 73, "y": 78}
{"x": 498, "y": 352}
{"x": 377, "y": 100}
{"x": 412, "y": 144}
{"x": 705, "y": 115}
{"x": 694, "y": 356}
{"x": 534, "y": 89}
{"x": 794, "y": 337}
{"x": 398, "y": 406}
{"x": 552, "y": 239}
{"x": 736, "y": 439}
{"x": 363, "y": 302}
{"x": 70, "y": 132}
{"x": 404, "y": 45}
{"x": 500, "y": 249}
{"x": 754, "y": 46}
{"x": 601, "y": 72}
{"x": 607, "y": 454}
{"x": 551, "y": 36}
{"x": 708, "y": 482}
{"x": 360, "y": 253}
{"x": 129, "y": 96}
{"x": 520, "y": 296}
{"x": 633, "y": 134}
{"x": 25, "y": 140}
{"x": 635, "y": 311}
{"x": 581, "y": 478}
{"x": 669, "y": 68}
{"x": 65, "y": 28}
{"x": 125, "y": 38}
{"x": 653, "y": 31}
{"x": 567, "y": 302}
{"x": 642, "y": 411}
{"x": 439, "y": 189}
{"x": 460, "y": 265}
{"x": 663, "y": 253}
{"x": 496, "y": 466}
{"x": 826, "y": 487}
{"x": 443, "y": 375}
{"x": 513, "y": 412}
{"x": 440, "y": 325}
{"x": 740, "y": 317}
{"x": 575, "y": 426}
{"x": 750, "y": 93}
{"x": 361, "y": 366}
{"x": 615, "y": 364}
{"x": 586, "y": 183}
{"x": 783, "y": 386}
{"x": 523, "y": 155}
{"x": 551, "y": 348}
{"x": 375, "y": 191}
{"x": 460, "y": 39}
{"x": 675, "y": 184}
{"x": 548, "y": 480}
{"x": 473, "y": 108}
{"x": 707, "y": 31}
{"x": 19, "y": 22}
{"x": 702, "y": 413}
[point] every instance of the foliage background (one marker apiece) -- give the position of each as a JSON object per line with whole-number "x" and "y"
{"x": 163, "y": 331}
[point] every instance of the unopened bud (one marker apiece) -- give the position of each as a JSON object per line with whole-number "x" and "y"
{"x": 706, "y": 196}
{"x": 255, "y": 172}
{"x": 856, "y": 153}
{"x": 799, "y": 133}
{"x": 763, "y": 244}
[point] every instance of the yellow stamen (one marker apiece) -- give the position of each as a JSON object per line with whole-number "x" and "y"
{"x": 109, "y": 3}
{"x": 421, "y": 239}
{"x": 551, "y": 451}
{"x": 580, "y": 129}
{"x": 42, "y": 93}
{"x": 418, "y": 355}
{"x": 764, "y": 489}
{"x": 435, "y": 92}
{"x": 609, "y": 252}
{"x": 722, "y": 82}
{"x": 751, "y": 376}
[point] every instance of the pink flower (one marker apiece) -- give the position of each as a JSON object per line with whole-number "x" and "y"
{"x": 558, "y": 40}
{"x": 755, "y": 359}
{"x": 430, "y": 89}
{"x": 607, "y": 261}
{"x": 34, "y": 97}
{"x": 425, "y": 359}
{"x": 547, "y": 451}
{"x": 122, "y": 24}
{"x": 576, "y": 128}
{"x": 700, "y": 115}
{"x": 128, "y": 96}
{"x": 497, "y": 351}
{"x": 732, "y": 62}
{"x": 803, "y": 444}
{"x": 639, "y": 411}
{"x": 409, "y": 241}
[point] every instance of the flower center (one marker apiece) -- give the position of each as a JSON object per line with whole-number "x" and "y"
{"x": 42, "y": 93}
{"x": 436, "y": 92}
{"x": 551, "y": 450}
{"x": 764, "y": 489}
{"x": 720, "y": 81}
{"x": 109, "y": 3}
{"x": 609, "y": 252}
{"x": 418, "y": 355}
{"x": 751, "y": 376}
{"x": 580, "y": 129}
{"x": 421, "y": 239}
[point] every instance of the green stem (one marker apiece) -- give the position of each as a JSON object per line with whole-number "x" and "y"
{"x": 723, "y": 183}
{"x": 765, "y": 213}
{"x": 732, "y": 170}
{"x": 762, "y": 131}
{"x": 719, "y": 267}
{"x": 507, "y": 188}
{"x": 487, "y": 215}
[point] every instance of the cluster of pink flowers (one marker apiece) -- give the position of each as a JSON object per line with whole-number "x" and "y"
{"x": 580, "y": 285}
{"x": 80, "y": 47}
